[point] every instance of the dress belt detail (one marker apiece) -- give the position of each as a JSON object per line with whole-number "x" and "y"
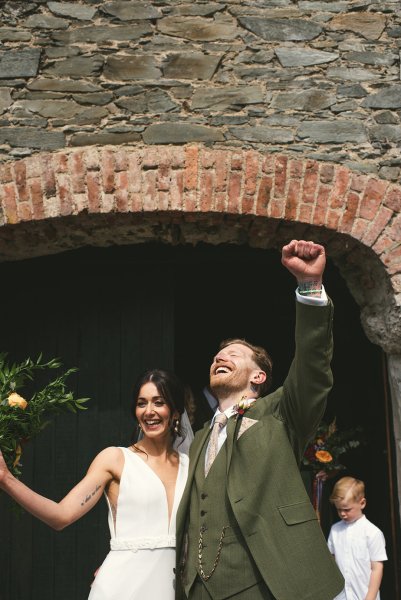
{"x": 143, "y": 543}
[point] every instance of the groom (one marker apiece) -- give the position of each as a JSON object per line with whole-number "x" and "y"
{"x": 245, "y": 527}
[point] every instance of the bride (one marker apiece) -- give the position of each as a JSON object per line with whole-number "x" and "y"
{"x": 143, "y": 485}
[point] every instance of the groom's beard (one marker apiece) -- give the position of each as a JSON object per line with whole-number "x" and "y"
{"x": 222, "y": 390}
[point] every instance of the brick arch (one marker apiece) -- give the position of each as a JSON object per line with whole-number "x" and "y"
{"x": 118, "y": 195}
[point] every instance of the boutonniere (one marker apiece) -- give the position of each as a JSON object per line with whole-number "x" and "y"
{"x": 243, "y": 405}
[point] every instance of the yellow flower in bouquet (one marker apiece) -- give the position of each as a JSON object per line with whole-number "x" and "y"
{"x": 21, "y": 419}
{"x": 15, "y": 399}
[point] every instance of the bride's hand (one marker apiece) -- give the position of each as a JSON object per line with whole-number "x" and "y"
{"x": 3, "y": 468}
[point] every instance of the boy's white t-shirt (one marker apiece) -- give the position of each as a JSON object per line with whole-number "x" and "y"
{"x": 355, "y": 545}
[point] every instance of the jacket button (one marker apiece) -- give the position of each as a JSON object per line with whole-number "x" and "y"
{"x": 203, "y": 496}
{"x": 202, "y": 513}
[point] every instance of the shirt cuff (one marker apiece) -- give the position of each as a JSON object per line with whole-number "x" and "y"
{"x": 313, "y": 300}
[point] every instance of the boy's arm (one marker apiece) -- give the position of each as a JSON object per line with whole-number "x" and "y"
{"x": 375, "y": 580}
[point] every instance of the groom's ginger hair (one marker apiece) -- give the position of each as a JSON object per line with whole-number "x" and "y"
{"x": 260, "y": 357}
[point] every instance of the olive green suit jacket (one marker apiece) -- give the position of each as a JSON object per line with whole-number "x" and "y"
{"x": 263, "y": 482}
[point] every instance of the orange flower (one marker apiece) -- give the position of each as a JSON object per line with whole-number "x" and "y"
{"x": 323, "y": 456}
{"x": 15, "y": 399}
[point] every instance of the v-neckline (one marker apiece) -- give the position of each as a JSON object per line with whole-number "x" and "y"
{"x": 169, "y": 516}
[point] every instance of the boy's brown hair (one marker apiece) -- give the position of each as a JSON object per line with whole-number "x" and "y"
{"x": 348, "y": 486}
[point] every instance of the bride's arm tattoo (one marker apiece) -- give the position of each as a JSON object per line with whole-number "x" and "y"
{"x": 89, "y": 496}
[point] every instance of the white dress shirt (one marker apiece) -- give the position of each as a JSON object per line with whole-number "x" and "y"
{"x": 355, "y": 546}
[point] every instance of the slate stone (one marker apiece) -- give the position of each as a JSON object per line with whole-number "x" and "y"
{"x": 282, "y": 29}
{"x": 199, "y": 29}
{"x": 86, "y": 116}
{"x": 103, "y": 138}
{"x": 346, "y": 106}
{"x": 127, "y": 11}
{"x": 394, "y": 32}
{"x": 270, "y": 135}
{"x": 387, "y": 117}
{"x": 385, "y": 133}
{"x": 368, "y": 24}
{"x": 5, "y": 99}
{"x": 32, "y": 138}
{"x": 191, "y": 65}
{"x": 19, "y": 63}
{"x": 124, "y": 68}
{"x": 388, "y": 97}
{"x": 309, "y": 100}
{"x": 45, "y": 22}
{"x": 13, "y": 35}
{"x": 61, "y": 52}
{"x": 298, "y": 57}
{"x": 99, "y": 34}
{"x": 77, "y": 66}
{"x": 97, "y": 98}
{"x": 227, "y": 97}
{"x": 62, "y": 85}
{"x": 351, "y": 74}
{"x": 351, "y": 91}
{"x": 154, "y": 101}
{"x": 229, "y": 120}
{"x": 50, "y": 108}
{"x": 73, "y": 10}
{"x": 196, "y": 9}
{"x": 390, "y": 173}
{"x": 337, "y": 131}
{"x": 180, "y": 133}
{"x": 373, "y": 58}
{"x": 313, "y": 7}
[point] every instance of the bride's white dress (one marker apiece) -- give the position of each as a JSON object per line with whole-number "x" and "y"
{"x": 140, "y": 563}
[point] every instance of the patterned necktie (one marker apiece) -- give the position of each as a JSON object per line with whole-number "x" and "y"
{"x": 219, "y": 422}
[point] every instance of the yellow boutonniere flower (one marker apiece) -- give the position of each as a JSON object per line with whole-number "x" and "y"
{"x": 323, "y": 456}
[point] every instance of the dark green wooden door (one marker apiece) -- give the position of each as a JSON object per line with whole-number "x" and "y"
{"x": 112, "y": 319}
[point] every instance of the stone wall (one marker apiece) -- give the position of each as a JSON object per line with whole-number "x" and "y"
{"x": 317, "y": 78}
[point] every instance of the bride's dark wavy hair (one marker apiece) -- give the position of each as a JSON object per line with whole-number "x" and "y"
{"x": 170, "y": 388}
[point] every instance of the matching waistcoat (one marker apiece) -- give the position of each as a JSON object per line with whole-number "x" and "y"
{"x": 216, "y": 551}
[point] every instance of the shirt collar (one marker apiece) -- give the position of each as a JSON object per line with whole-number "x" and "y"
{"x": 229, "y": 412}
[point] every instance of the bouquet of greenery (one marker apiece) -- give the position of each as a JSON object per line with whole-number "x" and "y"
{"x": 20, "y": 419}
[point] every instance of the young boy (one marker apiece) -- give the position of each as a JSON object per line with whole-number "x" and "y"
{"x": 358, "y": 545}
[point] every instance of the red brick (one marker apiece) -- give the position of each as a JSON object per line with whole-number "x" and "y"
{"x": 359, "y": 228}
{"x": 121, "y": 193}
{"x": 234, "y": 192}
{"x": 332, "y": 219}
{"x": 21, "y": 181}
{"x": 221, "y": 170}
{"x": 251, "y": 173}
{"x": 108, "y": 172}
{"x": 237, "y": 162}
{"x": 207, "y": 158}
{"x": 276, "y": 208}
{"x": 93, "y": 186}
{"x": 326, "y": 173}
{"x": 378, "y": 224}
{"x": 392, "y": 199}
{"x": 79, "y": 173}
{"x": 48, "y": 177}
{"x": 268, "y": 164}
{"x": 121, "y": 160}
{"x": 190, "y": 201}
{"x": 206, "y": 191}
{"x": 65, "y": 196}
{"x": 149, "y": 191}
{"x": 372, "y": 198}
{"x": 60, "y": 161}
{"x": 264, "y": 193}
{"x": 25, "y": 211}
{"x": 351, "y": 208}
{"x": 134, "y": 174}
{"x": 296, "y": 169}
{"x": 340, "y": 187}
{"x": 164, "y": 201}
{"x": 10, "y": 204}
{"x": 36, "y": 192}
{"x": 163, "y": 179}
{"x": 358, "y": 182}
{"x": 280, "y": 176}
{"x": 191, "y": 168}
{"x": 220, "y": 201}
{"x": 136, "y": 201}
{"x": 176, "y": 190}
{"x": 382, "y": 244}
{"x": 291, "y": 205}
{"x": 6, "y": 174}
{"x": 310, "y": 183}
{"x": 322, "y": 204}
{"x": 305, "y": 213}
